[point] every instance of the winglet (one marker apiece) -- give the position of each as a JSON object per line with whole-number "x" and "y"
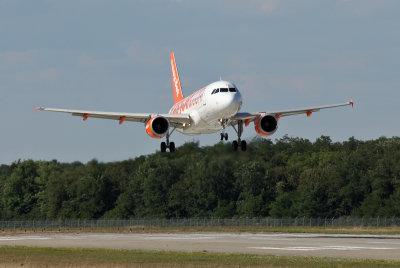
{"x": 35, "y": 108}
{"x": 178, "y": 96}
{"x": 352, "y": 103}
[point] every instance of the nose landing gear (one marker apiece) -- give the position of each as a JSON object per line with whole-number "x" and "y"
{"x": 223, "y": 135}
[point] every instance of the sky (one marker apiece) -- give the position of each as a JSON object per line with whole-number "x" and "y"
{"x": 114, "y": 56}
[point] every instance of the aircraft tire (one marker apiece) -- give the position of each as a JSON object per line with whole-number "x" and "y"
{"x": 235, "y": 145}
{"x": 163, "y": 147}
{"x": 172, "y": 147}
{"x": 243, "y": 145}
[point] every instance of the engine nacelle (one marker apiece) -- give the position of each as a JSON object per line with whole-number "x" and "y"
{"x": 266, "y": 125}
{"x": 157, "y": 127}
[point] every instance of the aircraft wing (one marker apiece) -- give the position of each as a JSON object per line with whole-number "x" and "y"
{"x": 248, "y": 117}
{"x": 176, "y": 120}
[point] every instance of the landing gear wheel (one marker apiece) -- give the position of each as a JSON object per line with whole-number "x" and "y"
{"x": 239, "y": 142}
{"x": 172, "y": 147}
{"x": 235, "y": 145}
{"x": 243, "y": 145}
{"x": 163, "y": 147}
{"x": 226, "y": 136}
{"x": 222, "y": 136}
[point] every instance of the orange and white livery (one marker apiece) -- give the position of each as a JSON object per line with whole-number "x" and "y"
{"x": 208, "y": 110}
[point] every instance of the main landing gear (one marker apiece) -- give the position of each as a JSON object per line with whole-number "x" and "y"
{"x": 239, "y": 142}
{"x": 167, "y": 144}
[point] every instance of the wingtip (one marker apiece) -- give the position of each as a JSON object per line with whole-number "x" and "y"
{"x": 352, "y": 103}
{"x": 35, "y": 108}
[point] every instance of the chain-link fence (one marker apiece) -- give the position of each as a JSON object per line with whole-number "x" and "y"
{"x": 240, "y": 222}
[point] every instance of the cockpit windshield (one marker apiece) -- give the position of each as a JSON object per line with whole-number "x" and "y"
{"x": 224, "y": 89}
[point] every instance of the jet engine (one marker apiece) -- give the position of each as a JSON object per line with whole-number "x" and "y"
{"x": 157, "y": 127}
{"x": 266, "y": 125}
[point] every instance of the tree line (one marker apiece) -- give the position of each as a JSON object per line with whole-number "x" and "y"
{"x": 291, "y": 177}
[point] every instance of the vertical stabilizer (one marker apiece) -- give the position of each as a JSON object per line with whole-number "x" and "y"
{"x": 176, "y": 84}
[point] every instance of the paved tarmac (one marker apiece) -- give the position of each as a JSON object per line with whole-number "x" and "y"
{"x": 318, "y": 245}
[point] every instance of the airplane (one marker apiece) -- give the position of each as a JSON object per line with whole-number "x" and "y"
{"x": 208, "y": 110}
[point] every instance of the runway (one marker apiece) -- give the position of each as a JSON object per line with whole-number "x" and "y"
{"x": 317, "y": 245}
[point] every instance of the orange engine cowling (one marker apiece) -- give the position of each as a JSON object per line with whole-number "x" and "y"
{"x": 266, "y": 125}
{"x": 157, "y": 127}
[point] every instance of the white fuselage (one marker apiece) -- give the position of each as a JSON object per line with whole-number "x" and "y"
{"x": 209, "y": 107}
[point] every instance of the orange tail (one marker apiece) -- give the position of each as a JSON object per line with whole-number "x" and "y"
{"x": 178, "y": 96}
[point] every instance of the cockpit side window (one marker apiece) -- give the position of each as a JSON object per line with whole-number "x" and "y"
{"x": 213, "y": 92}
{"x": 232, "y": 89}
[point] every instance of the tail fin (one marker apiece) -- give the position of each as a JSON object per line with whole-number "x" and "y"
{"x": 178, "y": 96}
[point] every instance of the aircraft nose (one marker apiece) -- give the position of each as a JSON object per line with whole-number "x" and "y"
{"x": 238, "y": 97}
{"x": 234, "y": 102}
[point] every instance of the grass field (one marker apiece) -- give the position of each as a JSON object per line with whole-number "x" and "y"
{"x": 64, "y": 257}
{"x": 299, "y": 229}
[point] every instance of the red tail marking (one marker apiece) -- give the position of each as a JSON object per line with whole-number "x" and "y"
{"x": 85, "y": 117}
{"x": 309, "y": 113}
{"x": 175, "y": 80}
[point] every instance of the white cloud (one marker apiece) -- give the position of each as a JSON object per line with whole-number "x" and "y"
{"x": 48, "y": 73}
{"x": 252, "y": 6}
{"x": 30, "y": 77}
{"x": 143, "y": 53}
{"x": 264, "y": 6}
{"x": 340, "y": 62}
{"x": 306, "y": 83}
{"x": 16, "y": 58}
{"x": 133, "y": 50}
{"x": 86, "y": 61}
{"x": 366, "y": 7}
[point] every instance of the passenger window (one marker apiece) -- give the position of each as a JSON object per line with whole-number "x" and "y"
{"x": 224, "y": 89}
{"x": 232, "y": 89}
